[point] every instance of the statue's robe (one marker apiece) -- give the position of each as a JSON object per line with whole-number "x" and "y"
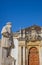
{"x": 6, "y": 40}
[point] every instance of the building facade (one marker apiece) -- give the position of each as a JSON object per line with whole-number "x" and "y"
{"x": 30, "y": 45}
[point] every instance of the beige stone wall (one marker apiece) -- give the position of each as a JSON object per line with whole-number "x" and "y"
{"x": 26, "y": 47}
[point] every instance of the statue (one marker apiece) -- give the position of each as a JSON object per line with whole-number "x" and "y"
{"x": 33, "y": 34}
{"x": 7, "y": 41}
{"x": 7, "y": 36}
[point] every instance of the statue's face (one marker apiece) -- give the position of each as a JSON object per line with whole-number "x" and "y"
{"x": 9, "y": 26}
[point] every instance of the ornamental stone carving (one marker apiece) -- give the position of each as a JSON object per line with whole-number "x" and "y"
{"x": 33, "y": 33}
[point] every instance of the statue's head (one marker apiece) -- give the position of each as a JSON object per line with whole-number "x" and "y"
{"x": 9, "y": 24}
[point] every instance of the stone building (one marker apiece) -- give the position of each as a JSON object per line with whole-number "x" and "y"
{"x": 30, "y": 45}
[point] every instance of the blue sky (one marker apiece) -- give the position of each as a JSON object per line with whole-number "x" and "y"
{"x": 22, "y": 13}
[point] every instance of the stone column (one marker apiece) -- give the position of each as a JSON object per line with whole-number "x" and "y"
{"x": 24, "y": 56}
{"x": 19, "y": 55}
{"x": 40, "y": 55}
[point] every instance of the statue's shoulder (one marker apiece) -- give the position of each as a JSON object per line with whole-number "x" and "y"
{"x": 3, "y": 29}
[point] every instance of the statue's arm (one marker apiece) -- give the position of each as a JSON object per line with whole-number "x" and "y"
{"x": 5, "y": 34}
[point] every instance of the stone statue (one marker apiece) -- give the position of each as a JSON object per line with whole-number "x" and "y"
{"x": 7, "y": 36}
{"x": 33, "y": 35}
{"x": 7, "y": 41}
